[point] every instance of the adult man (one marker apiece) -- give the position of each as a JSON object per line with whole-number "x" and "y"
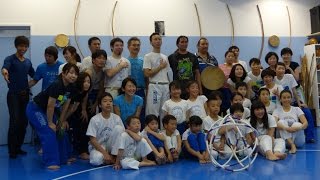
{"x": 94, "y": 44}
{"x": 117, "y": 68}
{"x": 185, "y": 66}
{"x": 15, "y": 71}
{"x": 156, "y": 68}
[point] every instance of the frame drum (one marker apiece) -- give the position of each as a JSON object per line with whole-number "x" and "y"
{"x": 212, "y": 78}
{"x": 61, "y": 40}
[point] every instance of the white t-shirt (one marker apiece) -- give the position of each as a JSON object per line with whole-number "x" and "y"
{"x": 151, "y": 61}
{"x": 231, "y": 83}
{"x": 246, "y": 113}
{"x": 271, "y": 122}
{"x": 177, "y": 109}
{"x": 86, "y": 63}
{"x": 273, "y": 97}
{"x": 171, "y": 141}
{"x": 197, "y": 106}
{"x": 255, "y": 78}
{"x": 186, "y": 134}
{"x": 272, "y": 106}
{"x": 208, "y": 122}
{"x": 117, "y": 79}
{"x": 246, "y": 103}
{"x": 79, "y": 65}
{"x": 128, "y": 144}
{"x": 101, "y": 128}
{"x": 290, "y": 116}
{"x": 287, "y": 82}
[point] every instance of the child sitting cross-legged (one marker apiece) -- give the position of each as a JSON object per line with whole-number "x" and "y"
{"x": 194, "y": 141}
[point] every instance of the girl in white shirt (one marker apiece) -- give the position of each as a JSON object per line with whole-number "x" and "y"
{"x": 265, "y": 124}
{"x": 197, "y": 103}
{"x": 291, "y": 122}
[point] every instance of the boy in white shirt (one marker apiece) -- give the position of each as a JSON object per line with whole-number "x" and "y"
{"x": 274, "y": 89}
{"x": 242, "y": 87}
{"x": 172, "y": 136}
{"x": 255, "y": 75}
{"x": 104, "y": 130}
{"x": 176, "y": 106}
{"x": 133, "y": 147}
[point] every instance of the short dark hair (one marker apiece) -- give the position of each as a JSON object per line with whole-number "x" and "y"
{"x": 132, "y": 39}
{"x": 67, "y": 67}
{"x": 114, "y": 40}
{"x": 180, "y": 37}
{"x": 195, "y": 120}
{"x": 21, "y": 40}
{"x": 202, "y": 38}
{"x": 129, "y": 119}
{"x": 235, "y": 94}
{"x": 285, "y": 91}
{"x": 53, "y": 51}
{"x": 167, "y": 118}
{"x": 281, "y": 64}
{"x": 263, "y": 89}
{"x": 93, "y": 39}
{"x": 226, "y": 53}
{"x": 267, "y": 72}
{"x": 104, "y": 94}
{"x": 269, "y": 54}
{"x": 236, "y": 107}
{"x": 285, "y": 51}
{"x": 153, "y": 34}
{"x": 98, "y": 53}
{"x": 175, "y": 84}
{"x": 241, "y": 84}
{"x": 233, "y": 47}
{"x": 124, "y": 83}
{"x": 254, "y": 60}
{"x": 150, "y": 118}
{"x": 214, "y": 95}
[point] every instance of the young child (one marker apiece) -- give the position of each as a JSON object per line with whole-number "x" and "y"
{"x": 242, "y": 88}
{"x": 238, "y": 98}
{"x": 47, "y": 114}
{"x": 128, "y": 103}
{"x": 172, "y": 137}
{"x": 194, "y": 141}
{"x": 237, "y": 134}
{"x": 274, "y": 89}
{"x": 291, "y": 122}
{"x": 264, "y": 97}
{"x": 265, "y": 124}
{"x": 133, "y": 147}
{"x": 213, "y": 116}
{"x": 255, "y": 75}
{"x": 154, "y": 138}
{"x": 196, "y": 102}
{"x": 104, "y": 130}
{"x": 176, "y": 106}
{"x": 47, "y": 71}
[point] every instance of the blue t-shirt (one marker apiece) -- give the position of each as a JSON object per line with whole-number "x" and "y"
{"x": 127, "y": 109}
{"x": 48, "y": 73}
{"x": 137, "y": 71}
{"x": 18, "y": 73}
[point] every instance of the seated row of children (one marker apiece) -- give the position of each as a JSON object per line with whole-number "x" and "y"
{"x": 111, "y": 143}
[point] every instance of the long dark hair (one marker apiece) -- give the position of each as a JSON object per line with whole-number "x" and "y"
{"x": 254, "y": 119}
{"x": 80, "y": 80}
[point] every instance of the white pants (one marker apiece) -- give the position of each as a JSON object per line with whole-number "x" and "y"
{"x": 298, "y": 137}
{"x": 142, "y": 150}
{"x": 265, "y": 144}
{"x": 157, "y": 95}
{"x": 227, "y": 152}
{"x": 96, "y": 157}
{"x": 113, "y": 91}
{"x": 236, "y": 140}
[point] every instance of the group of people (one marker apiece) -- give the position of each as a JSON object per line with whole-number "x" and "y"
{"x": 142, "y": 111}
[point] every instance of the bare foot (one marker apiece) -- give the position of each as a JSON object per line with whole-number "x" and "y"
{"x": 147, "y": 162}
{"x": 71, "y": 160}
{"x": 272, "y": 157}
{"x": 53, "y": 167}
{"x": 84, "y": 156}
{"x": 293, "y": 149}
{"x": 280, "y": 155}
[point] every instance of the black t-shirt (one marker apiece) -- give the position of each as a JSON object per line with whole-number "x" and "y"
{"x": 293, "y": 66}
{"x": 56, "y": 90}
{"x": 183, "y": 66}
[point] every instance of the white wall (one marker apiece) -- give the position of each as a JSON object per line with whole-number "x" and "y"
{"x": 136, "y": 17}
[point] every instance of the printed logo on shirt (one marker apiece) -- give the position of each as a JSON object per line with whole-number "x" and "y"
{"x": 178, "y": 113}
{"x": 185, "y": 69}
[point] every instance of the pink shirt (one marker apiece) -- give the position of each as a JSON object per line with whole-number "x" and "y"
{"x": 226, "y": 70}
